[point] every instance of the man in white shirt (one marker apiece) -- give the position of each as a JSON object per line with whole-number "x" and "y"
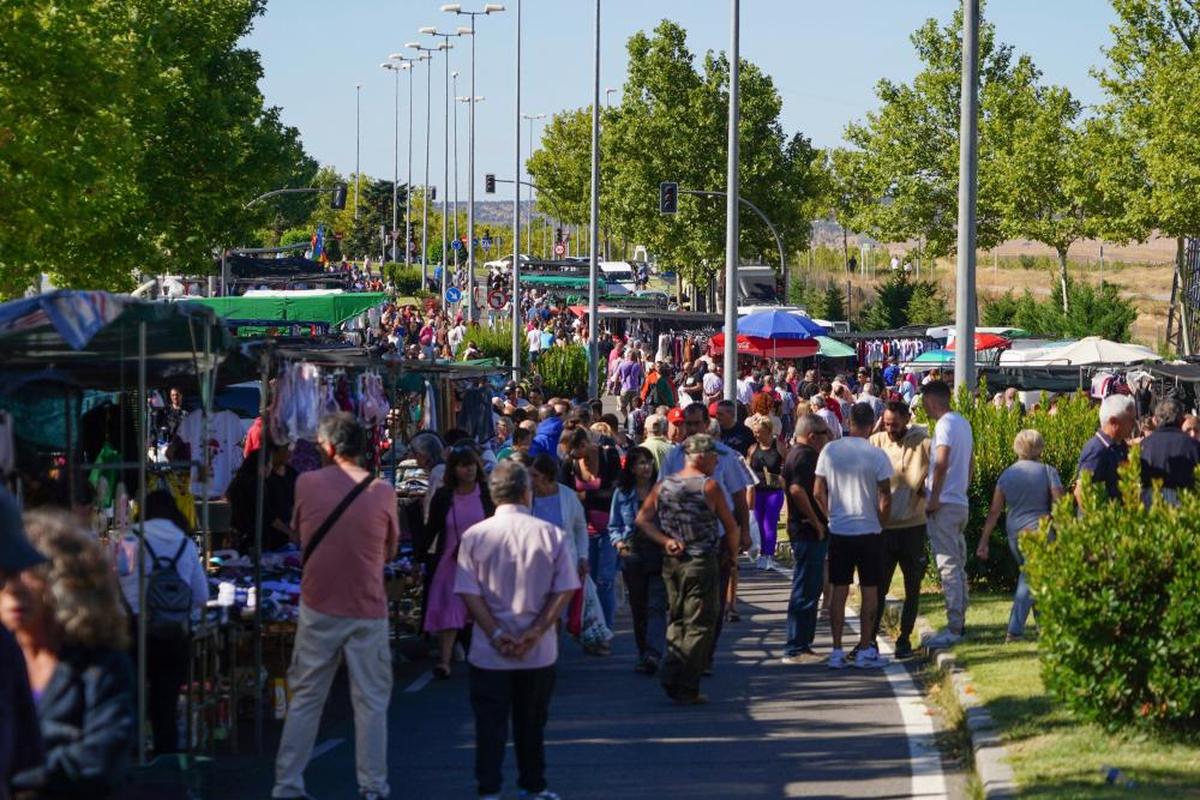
{"x": 455, "y": 336}
{"x": 817, "y": 404}
{"x": 713, "y": 384}
{"x": 853, "y": 488}
{"x": 533, "y": 338}
{"x": 746, "y": 387}
{"x": 946, "y": 507}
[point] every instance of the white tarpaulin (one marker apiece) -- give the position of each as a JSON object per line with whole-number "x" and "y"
{"x": 1087, "y": 351}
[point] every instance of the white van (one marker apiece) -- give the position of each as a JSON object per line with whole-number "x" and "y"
{"x": 617, "y": 272}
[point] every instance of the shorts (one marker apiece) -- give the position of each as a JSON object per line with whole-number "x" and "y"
{"x": 848, "y": 553}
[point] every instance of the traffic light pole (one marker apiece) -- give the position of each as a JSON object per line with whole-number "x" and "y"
{"x": 594, "y": 229}
{"x": 770, "y": 226}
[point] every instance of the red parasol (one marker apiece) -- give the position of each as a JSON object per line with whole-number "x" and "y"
{"x": 769, "y": 348}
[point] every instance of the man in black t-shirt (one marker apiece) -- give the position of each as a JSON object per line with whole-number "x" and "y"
{"x": 807, "y": 532}
{"x": 734, "y": 433}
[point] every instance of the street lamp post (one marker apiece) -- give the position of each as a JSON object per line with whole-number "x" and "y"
{"x": 968, "y": 165}
{"x": 407, "y": 63}
{"x": 731, "y": 209}
{"x": 357, "y": 140}
{"x": 470, "y": 102}
{"x": 530, "y": 118}
{"x": 396, "y": 69}
{"x": 446, "y": 46}
{"x": 454, "y": 76}
{"x": 427, "y": 52}
{"x": 594, "y": 238}
{"x": 456, "y": 8}
{"x": 516, "y": 262}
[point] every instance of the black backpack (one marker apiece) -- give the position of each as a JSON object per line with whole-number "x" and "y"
{"x": 168, "y": 606}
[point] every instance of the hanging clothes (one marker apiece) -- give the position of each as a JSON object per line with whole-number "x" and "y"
{"x": 220, "y": 453}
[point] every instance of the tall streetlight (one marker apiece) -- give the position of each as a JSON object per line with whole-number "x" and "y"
{"x": 457, "y": 250}
{"x": 968, "y": 166}
{"x": 469, "y": 101}
{"x": 733, "y": 192}
{"x": 594, "y": 237}
{"x": 427, "y": 53}
{"x": 530, "y": 118}
{"x": 408, "y": 64}
{"x": 516, "y": 261}
{"x": 456, "y": 8}
{"x": 396, "y": 69}
{"x": 357, "y": 140}
{"x": 445, "y": 45}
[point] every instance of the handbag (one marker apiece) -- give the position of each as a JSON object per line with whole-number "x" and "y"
{"x": 575, "y": 614}
{"x": 311, "y": 547}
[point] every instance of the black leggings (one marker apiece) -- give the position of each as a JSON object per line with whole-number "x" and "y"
{"x": 166, "y": 672}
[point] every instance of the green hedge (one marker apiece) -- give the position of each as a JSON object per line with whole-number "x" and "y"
{"x": 564, "y": 371}
{"x": 407, "y": 281}
{"x": 1118, "y": 594}
{"x": 494, "y": 343}
{"x": 1065, "y": 432}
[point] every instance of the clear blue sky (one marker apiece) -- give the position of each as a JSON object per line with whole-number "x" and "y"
{"x": 825, "y": 57}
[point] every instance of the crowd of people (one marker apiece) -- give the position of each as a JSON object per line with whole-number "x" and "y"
{"x": 526, "y": 540}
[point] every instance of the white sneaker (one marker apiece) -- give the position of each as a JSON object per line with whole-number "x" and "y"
{"x": 869, "y": 658}
{"x": 837, "y": 659}
{"x": 762, "y": 562}
{"x": 770, "y": 563}
{"x": 942, "y": 640}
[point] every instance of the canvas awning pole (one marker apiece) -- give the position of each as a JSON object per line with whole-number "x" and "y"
{"x": 141, "y": 534}
{"x": 264, "y": 439}
{"x": 206, "y": 388}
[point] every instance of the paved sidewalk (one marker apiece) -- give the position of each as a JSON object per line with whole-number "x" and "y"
{"x": 769, "y": 731}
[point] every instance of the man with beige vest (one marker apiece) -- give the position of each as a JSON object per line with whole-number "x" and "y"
{"x": 904, "y": 535}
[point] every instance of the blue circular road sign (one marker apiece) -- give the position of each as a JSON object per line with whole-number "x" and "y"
{"x": 453, "y": 294}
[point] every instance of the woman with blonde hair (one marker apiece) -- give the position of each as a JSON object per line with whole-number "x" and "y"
{"x": 1025, "y": 493}
{"x": 766, "y": 458}
{"x": 67, "y": 620}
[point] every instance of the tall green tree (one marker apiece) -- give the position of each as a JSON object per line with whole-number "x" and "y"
{"x": 906, "y": 172}
{"x": 134, "y": 134}
{"x": 671, "y": 126}
{"x": 1152, "y": 80}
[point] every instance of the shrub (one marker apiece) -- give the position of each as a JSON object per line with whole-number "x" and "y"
{"x": 495, "y": 342}
{"x": 1118, "y": 593}
{"x": 1065, "y": 432}
{"x": 1094, "y": 311}
{"x": 564, "y": 371}
{"x": 407, "y": 281}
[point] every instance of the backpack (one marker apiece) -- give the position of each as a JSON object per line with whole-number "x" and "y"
{"x": 168, "y": 596}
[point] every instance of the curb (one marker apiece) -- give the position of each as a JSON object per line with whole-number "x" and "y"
{"x": 991, "y": 757}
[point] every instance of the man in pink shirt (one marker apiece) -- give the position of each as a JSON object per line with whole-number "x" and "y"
{"x": 516, "y": 575}
{"x": 343, "y": 607}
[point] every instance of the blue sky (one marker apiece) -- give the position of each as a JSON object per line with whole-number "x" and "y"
{"x": 825, "y": 58}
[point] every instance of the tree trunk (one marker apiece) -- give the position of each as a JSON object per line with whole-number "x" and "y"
{"x": 845, "y": 250}
{"x": 1062, "y": 278}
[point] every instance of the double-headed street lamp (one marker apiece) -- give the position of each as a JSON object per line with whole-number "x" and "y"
{"x": 427, "y": 53}
{"x": 445, "y": 45}
{"x": 408, "y": 64}
{"x": 456, "y": 8}
{"x": 531, "y": 118}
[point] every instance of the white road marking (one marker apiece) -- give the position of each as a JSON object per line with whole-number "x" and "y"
{"x": 421, "y": 682}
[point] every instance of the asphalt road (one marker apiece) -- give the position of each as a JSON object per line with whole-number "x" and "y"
{"x": 769, "y": 731}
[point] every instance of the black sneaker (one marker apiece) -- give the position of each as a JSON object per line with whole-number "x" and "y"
{"x": 903, "y": 649}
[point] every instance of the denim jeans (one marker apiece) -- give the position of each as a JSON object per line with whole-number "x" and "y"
{"x": 602, "y": 565}
{"x": 807, "y": 579}
{"x": 647, "y": 603}
{"x": 1022, "y": 598}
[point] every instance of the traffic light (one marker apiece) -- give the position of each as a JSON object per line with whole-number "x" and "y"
{"x": 338, "y": 201}
{"x": 433, "y": 193}
{"x": 668, "y": 197}
{"x": 558, "y": 234}
{"x": 489, "y": 183}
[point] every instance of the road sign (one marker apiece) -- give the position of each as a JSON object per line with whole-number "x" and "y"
{"x": 497, "y": 299}
{"x": 560, "y": 249}
{"x": 486, "y": 244}
{"x": 456, "y": 244}
{"x": 453, "y": 294}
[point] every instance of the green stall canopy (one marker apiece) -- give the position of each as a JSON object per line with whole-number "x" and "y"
{"x": 832, "y": 348}
{"x": 329, "y": 309}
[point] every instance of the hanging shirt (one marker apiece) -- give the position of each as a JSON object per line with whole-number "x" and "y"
{"x": 220, "y": 453}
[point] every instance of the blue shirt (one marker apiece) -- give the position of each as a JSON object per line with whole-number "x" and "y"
{"x": 1101, "y": 457}
{"x": 1170, "y": 455}
{"x": 548, "y": 509}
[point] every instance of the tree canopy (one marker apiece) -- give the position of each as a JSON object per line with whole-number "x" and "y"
{"x": 133, "y": 133}
{"x": 671, "y": 126}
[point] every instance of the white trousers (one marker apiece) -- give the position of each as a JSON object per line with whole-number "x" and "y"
{"x": 320, "y": 639}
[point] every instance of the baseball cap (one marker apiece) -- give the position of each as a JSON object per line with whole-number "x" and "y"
{"x": 16, "y": 553}
{"x": 700, "y": 443}
{"x": 675, "y": 416}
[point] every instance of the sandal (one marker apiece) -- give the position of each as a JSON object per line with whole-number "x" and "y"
{"x": 441, "y": 673}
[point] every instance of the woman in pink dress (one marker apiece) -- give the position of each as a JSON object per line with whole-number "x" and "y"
{"x": 459, "y": 503}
